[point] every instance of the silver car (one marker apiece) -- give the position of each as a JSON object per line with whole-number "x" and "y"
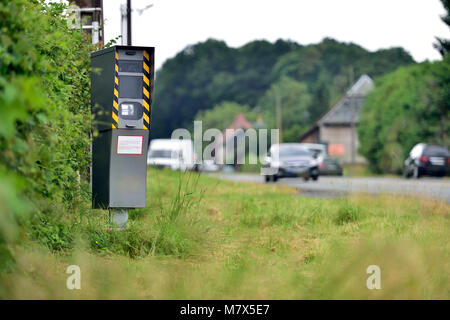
{"x": 290, "y": 160}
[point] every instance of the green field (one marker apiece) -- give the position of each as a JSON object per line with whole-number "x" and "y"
{"x": 204, "y": 238}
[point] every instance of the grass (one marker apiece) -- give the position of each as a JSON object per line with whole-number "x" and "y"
{"x": 204, "y": 238}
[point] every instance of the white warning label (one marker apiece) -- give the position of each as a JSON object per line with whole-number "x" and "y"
{"x": 129, "y": 144}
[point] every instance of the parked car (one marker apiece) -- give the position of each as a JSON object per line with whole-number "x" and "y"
{"x": 172, "y": 153}
{"x": 427, "y": 159}
{"x": 318, "y": 150}
{"x": 330, "y": 167}
{"x": 291, "y": 160}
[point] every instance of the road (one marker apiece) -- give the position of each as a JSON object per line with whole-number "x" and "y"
{"x": 338, "y": 186}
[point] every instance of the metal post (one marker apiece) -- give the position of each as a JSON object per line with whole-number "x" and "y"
{"x": 125, "y": 18}
{"x": 128, "y": 22}
{"x": 95, "y": 32}
{"x": 279, "y": 115}
{"x": 118, "y": 217}
{"x": 102, "y": 31}
{"x": 352, "y": 120}
{"x": 123, "y": 24}
{"x": 352, "y": 126}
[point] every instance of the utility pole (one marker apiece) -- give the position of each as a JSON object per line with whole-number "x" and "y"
{"x": 128, "y": 22}
{"x": 352, "y": 118}
{"x": 279, "y": 116}
{"x": 125, "y": 25}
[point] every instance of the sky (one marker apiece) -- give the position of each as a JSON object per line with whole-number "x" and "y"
{"x": 171, "y": 25}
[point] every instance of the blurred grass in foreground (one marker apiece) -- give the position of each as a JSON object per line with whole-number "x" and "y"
{"x": 204, "y": 238}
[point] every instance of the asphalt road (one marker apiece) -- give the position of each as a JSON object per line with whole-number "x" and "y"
{"x": 340, "y": 186}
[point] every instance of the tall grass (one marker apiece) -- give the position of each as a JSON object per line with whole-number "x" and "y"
{"x": 347, "y": 213}
{"x": 177, "y": 223}
{"x": 166, "y": 227}
{"x": 202, "y": 238}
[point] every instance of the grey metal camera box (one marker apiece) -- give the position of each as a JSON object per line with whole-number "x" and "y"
{"x": 121, "y": 100}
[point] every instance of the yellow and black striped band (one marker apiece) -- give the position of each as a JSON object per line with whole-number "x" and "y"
{"x": 147, "y": 89}
{"x": 115, "y": 109}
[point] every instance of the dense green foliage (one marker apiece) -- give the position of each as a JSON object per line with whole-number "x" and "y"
{"x": 295, "y": 101}
{"x": 45, "y": 121}
{"x": 44, "y": 147}
{"x": 206, "y": 74}
{"x": 408, "y": 106}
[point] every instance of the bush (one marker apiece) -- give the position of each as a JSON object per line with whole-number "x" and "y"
{"x": 408, "y": 106}
{"x": 45, "y": 120}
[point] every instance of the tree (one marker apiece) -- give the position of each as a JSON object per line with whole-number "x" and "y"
{"x": 223, "y": 114}
{"x": 321, "y": 99}
{"x": 408, "y": 106}
{"x": 443, "y": 45}
{"x": 439, "y": 88}
{"x": 205, "y": 74}
{"x": 295, "y": 101}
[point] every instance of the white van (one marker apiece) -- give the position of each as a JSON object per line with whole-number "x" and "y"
{"x": 172, "y": 153}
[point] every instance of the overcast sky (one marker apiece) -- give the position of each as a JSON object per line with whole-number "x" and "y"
{"x": 171, "y": 25}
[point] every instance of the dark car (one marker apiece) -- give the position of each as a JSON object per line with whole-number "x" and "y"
{"x": 291, "y": 160}
{"x": 329, "y": 166}
{"x": 427, "y": 160}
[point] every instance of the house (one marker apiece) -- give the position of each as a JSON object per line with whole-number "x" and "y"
{"x": 337, "y": 127}
{"x": 236, "y": 130}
